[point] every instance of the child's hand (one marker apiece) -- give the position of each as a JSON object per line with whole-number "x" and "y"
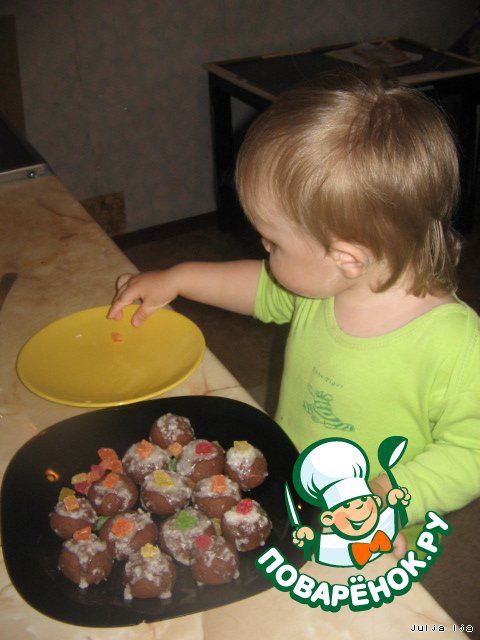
{"x": 394, "y": 496}
{"x": 154, "y": 289}
{"x": 300, "y": 535}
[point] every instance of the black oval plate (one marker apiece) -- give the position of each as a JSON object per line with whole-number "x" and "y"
{"x": 31, "y": 549}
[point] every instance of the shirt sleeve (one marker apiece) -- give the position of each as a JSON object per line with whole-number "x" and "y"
{"x": 445, "y": 476}
{"x": 273, "y": 302}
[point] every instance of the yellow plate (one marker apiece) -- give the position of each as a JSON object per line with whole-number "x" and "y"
{"x": 85, "y": 360}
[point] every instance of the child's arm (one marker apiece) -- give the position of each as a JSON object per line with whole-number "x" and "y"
{"x": 229, "y": 285}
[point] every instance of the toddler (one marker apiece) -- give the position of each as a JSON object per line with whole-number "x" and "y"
{"x": 351, "y": 183}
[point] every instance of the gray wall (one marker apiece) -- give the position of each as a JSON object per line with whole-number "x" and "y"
{"x": 116, "y": 99}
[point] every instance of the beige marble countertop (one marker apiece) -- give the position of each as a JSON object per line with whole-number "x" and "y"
{"x": 66, "y": 263}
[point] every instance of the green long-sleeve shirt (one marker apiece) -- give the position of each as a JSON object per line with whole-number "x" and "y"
{"x": 421, "y": 381}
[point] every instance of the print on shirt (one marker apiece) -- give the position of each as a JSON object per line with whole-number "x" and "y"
{"x": 320, "y": 411}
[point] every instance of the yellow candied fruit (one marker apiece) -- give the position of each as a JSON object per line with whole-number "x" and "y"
{"x": 241, "y": 445}
{"x": 162, "y": 479}
{"x": 217, "y": 525}
{"x": 64, "y": 492}
{"x": 79, "y": 477}
{"x": 149, "y": 550}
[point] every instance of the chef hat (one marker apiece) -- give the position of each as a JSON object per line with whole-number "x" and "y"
{"x": 330, "y": 472}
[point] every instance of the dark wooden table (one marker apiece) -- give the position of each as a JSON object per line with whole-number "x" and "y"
{"x": 452, "y": 80}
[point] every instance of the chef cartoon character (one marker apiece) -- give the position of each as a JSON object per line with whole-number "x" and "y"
{"x": 333, "y": 475}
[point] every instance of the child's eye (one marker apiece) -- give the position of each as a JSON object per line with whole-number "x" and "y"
{"x": 346, "y": 505}
{"x": 364, "y": 498}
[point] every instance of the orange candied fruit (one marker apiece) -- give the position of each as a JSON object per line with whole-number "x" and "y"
{"x": 144, "y": 449}
{"x": 111, "y": 480}
{"x": 105, "y": 453}
{"x": 122, "y": 527}
{"x": 175, "y": 449}
{"x": 71, "y": 503}
{"x": 219, "y": 484}
{"x": 82, "y": 534}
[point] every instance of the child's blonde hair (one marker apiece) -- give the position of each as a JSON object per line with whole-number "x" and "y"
{"x": 364, "y": 160}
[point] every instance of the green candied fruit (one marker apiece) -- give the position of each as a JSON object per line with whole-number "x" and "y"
{"x": 185, "y": 521}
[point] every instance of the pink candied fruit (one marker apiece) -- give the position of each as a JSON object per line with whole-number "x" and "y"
{"x": 245, "y": 506}
{"x": 204, "y": 447}
{"x": 203, "y": 542}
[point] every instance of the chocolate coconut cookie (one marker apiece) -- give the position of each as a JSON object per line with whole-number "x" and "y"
{"x": 170, "y": 429}
{"x": 246, "y": 525}
{"x": 200, "y": 459}
{"x": 177, "y": 534}
{"x": 70, "y": 514}
{"x": 143, "y": 458}
{"x": 215, "y": 495}
{"x": 149, "y": 573}
{"x": 125, "y": 533}
{"x": 165, "y": 492}
{"x": 85, "y": 559}
{"x": 214, "y": 560}
{"x": 245, "y": 464}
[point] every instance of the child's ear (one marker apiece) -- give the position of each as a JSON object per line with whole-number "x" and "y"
{"x": 353, "y": 260}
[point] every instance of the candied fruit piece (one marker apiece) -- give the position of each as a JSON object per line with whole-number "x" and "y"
{"x": 122, "y": 527}
{"x": 204, "y": 447}
{"x": 64, "y": 492}
{"x": 111, "y": 480}
{"x": 71, "y": 503}
{"x": 96, "y": 473}
{"x": 162, "y": 479}
{"x": 175, "y": 449}
{"x": 83, "y": 487}
{"x": 144, "y": 449}
{"x": 203, "y": 542}
{"x": 105, "y": 453}
{"x": 79, "y": 477}
{"x": 100, "y": 522}
{"x": 245, "y": 506}
{"x": 217, "y": 525}
{"x": 185, "y": 521}
{"x": 149, "y": 550}
{"x": 82, "y": 534}
{"x": 219, "y": 484}
{"x": 116, "y": 337}
{"x": 112, "y": 464}
{"x": 241, "y": 445}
